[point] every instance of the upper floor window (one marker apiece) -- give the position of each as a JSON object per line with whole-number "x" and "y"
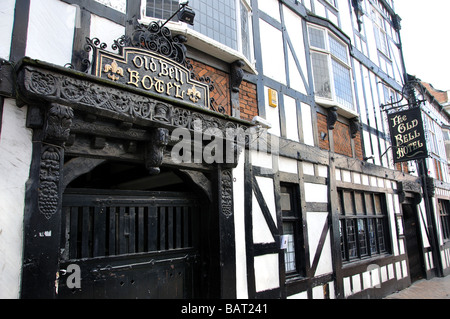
{"x": 225, "y": 21}
{"x": 119, "y": 5}
{"x": 381, "y": 37}
{"x": 331, "y": 69}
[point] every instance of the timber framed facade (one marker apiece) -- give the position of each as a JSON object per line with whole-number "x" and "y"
{"x": 302, "y": 201}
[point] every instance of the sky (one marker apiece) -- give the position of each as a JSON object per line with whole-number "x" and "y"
{"x": 425, "y": 35}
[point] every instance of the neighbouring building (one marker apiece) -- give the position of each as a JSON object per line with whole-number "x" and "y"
{"x": 235, "y": 149}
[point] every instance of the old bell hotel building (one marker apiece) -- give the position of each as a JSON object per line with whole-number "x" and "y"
{"x": 235, "y": 149}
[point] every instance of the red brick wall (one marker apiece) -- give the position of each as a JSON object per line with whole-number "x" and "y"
{"x": 341, "y": 136}
{"x": 248, "y": 101}
{"x": 322, "y": 127}
{"x": 358, "y": 146}
{"x": 342, "y": 139}
{"x": 221, "y": 93}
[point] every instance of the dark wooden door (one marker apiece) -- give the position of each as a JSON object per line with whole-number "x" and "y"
{"x": 413, "y": 242}
{"x": 129, "y": 245}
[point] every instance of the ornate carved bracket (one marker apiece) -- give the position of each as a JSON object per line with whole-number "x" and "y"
{"x": 57, "y": 132}
{"x": 332, "y": 118}
{"x": 236, "y": 74}
{"x": 57, "y": 127}
{"x": 355, "y": 126}
{"x": 154, "y": 152}
{"x": 227, "y": 193}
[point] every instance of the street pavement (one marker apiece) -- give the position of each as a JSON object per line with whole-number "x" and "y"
{"x": 436, "y": 288}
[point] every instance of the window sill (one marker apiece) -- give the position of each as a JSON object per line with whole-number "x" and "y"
{"x": 342, "y": 110}
{"x": 364, "y": 260}
{"x": 206, "y": 44}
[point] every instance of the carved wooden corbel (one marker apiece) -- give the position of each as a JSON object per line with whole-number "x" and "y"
{"x": 154, "y": 151}
{"x": 237, "y": 74}
{"x": 355, "y": 126}
{"x": 332, "y": 118}
{"x": 57, "y": 126}
{"x": 56, "y": 132}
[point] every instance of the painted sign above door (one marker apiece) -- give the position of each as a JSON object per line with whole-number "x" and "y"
{"x": 152, "y": 73}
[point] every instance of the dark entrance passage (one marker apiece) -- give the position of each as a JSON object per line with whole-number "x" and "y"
{"x": 132, "y": 243}
{"x": 413, "y": 242}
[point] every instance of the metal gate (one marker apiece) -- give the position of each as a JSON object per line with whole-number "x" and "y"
{"x": 129, "y": 245}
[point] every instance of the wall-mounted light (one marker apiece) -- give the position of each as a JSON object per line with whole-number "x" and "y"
{"x": 185, "y": 14}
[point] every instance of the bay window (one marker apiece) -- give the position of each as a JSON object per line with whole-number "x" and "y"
{"x": 227, "y": 22}
{"x": 333, "y": 84}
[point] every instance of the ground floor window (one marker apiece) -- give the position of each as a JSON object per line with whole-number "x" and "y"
{"x": 292, "y": 231}
{"x": 362, "y": 224}
{"x": 444, "y": 213}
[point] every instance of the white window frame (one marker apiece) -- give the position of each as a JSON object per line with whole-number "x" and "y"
{"x": 333, "y": 101}
{"x": 208, "y": 45}
{"x": 247, "y": 5}
{"x": 381, "y": 36}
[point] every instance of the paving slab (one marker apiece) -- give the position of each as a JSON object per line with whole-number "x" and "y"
{"x": 436, "y": 288}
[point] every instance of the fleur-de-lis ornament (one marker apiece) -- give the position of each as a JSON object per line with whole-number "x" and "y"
{"x": 113, "y": 71}
{"x": 194, "y": 94}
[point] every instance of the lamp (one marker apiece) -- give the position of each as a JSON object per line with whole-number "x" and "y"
{"x": 185, "y": 14}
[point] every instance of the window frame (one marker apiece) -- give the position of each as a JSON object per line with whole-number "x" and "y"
{"x": 326, "y": 51}
{"x": 210, "y": 45}
{"x": 294, "y": 216}
{"x": 374, "y": 224}
{"x": 444, "y": 216}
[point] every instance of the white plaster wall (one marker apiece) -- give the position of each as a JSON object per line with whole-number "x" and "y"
{"x": 261, "y": 232}
{"x": 239, "y": 227}
{"x": 294, "y": 27}
{"x": 119, "y": 5}
{"x": 316, "y": 193}
{"x": 266, "y": 272}
{"x": 290, "y": 109}
{"x": 316, "y": 222}
{"x": 15, "y": 160}
{"x": 308, "y": 135}
{"x": 105, "y": 30}
{"x": 272, "y": 51}
{"x": 287, "y": 165}
{"x": 51, "y": 31}
{"x": 272, "y": 114}
{"x": 6, "y": 27}
{"x": 270, "y": 7}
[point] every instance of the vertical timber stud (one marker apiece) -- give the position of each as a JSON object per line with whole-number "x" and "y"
{"x": 227, "y": 234}
{"x": 43, "y": 200}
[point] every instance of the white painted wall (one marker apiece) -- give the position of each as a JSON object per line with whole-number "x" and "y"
{"x": 51, "y": 31}
{"x": 267, "y": 274}
{"x": 272, "y": 51}
{"x": 239, "y": 227}
{"x": 105, "y": 30}
{"x": 308, "y": 135}
{"x": 16, "y": 148}
{"x": 290, "y": 110}
{"x": 6, "y": 27}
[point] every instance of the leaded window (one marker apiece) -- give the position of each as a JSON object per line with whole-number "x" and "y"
{"x": 363, "y": 225}
{"x": 444, "y": 213}
{"x": 225, "y": 21}
{"x": 331, "y": 68}
{"x": 292, "y": 231}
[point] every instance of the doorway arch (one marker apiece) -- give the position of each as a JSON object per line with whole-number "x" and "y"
{"x": 135, "y": 235}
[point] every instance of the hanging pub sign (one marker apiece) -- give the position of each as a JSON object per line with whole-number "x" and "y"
{"x": 152, "y": 73}
{"x": 407, "y": 135}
